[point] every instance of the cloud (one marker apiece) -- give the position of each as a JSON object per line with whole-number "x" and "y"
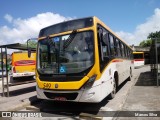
{"x": 23, "y": 29}
{"x": 141, "y": 32}
{"x": 8, "y": 18}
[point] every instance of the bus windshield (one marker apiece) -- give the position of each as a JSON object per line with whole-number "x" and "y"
{"x": 71, "y": 53}
{"x": 138, "y": 56}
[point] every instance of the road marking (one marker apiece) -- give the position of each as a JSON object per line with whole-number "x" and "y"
{"x": 33, "y": 108}
{"x": 90, "y": 116}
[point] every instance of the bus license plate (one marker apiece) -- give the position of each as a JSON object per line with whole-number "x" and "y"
{"x": 60, "y": 99}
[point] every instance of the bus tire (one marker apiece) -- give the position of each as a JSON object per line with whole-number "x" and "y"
{"x": 113, "y": 93}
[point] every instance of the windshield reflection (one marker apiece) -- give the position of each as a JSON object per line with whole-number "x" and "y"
{"x": 77, "y": 56}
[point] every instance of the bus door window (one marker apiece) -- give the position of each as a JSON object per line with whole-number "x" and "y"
{"x": 103, "y": 44}
{"x": 103, "y": 47}
{"x": 99, "y": 35}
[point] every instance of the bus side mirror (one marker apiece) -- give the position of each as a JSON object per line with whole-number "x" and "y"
{"x": 29, "y": 52}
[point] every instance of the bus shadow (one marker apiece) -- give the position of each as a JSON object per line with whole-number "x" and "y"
{"x": 146, "y": 79}
{"x": 121, "y": 85}
{"x": 70, "y": 108}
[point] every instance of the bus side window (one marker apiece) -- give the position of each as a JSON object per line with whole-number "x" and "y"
{"x": 123, "y": 53}
{"x": 111, "y": 45}
{"x": 115, "y": 47}
{"x": 124, "y": 47}
{"x": 106, "y": 51}
{"x": 118, "y": 48}
{"x": 127, "y": 52}
{"x": 120, "y": 45}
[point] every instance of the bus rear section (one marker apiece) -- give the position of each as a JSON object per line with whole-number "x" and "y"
{"x": 138, "y": 59}
{"x": 22, "y": 65}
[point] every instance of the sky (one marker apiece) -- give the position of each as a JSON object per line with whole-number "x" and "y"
{"x": 132, "y": 20}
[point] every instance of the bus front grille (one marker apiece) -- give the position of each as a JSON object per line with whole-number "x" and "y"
{"x": 67, "y": 96}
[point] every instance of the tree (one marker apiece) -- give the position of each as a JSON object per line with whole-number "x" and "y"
{"x": 146, "y": 43}
{"x": 154, "y": 35}
{"x": 32, "y": 44}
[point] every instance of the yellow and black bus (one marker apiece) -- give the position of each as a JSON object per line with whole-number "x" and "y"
{"x": 81, "y": 60}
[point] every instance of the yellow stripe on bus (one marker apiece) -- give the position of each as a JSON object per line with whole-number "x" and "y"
{"x": 73, "y": 85}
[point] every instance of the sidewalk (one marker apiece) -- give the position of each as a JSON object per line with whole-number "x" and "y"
{"x": 20, "y": 96}
{"x": 144, "y": 95}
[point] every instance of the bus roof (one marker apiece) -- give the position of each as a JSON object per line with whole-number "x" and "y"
{"x": 100, "y": 22}
{"x": 83, "y": 22}
{"x": 66, "y": 26}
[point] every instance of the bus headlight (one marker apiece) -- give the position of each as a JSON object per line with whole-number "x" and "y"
{"x": 90, "y": 82}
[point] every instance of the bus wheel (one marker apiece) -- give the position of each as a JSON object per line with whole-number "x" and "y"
{"x": 113, "y": 93}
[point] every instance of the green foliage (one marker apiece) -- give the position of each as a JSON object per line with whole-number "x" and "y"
{"x": 32, "y": 44}
{"x": 154, "y": 35}
{"x": 146, "y": 43}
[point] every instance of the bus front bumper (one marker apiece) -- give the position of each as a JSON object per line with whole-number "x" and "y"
{"x": 91, "y": 95}
{"x": 15, "y": 75}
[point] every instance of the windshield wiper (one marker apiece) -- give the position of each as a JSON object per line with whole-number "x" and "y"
{"x": 50, "y": 42}
{"x": 70, "y": 39}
